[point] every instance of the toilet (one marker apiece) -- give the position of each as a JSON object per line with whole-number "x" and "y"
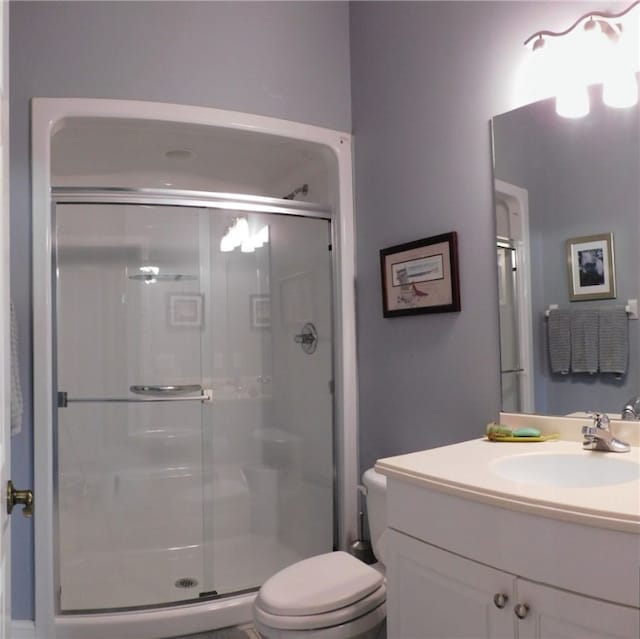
{"x": 330, "y": 596}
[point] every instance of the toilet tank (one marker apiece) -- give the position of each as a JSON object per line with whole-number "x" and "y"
{"x": 376, "y": 485}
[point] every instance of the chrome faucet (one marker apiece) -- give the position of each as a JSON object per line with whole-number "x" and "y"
{"x": 631, "y": 409}
{"x": 598, "y": 436}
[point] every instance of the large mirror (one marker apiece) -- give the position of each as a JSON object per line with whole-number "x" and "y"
{"x": 559, "y": 179}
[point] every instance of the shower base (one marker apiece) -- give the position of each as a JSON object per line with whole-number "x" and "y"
{"x": 244, "y": 632}
{"x": 178, "y": 621}
{"x": 167, "y": 576}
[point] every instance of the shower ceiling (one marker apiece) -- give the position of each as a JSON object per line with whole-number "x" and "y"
{"x": 99, "y": 153}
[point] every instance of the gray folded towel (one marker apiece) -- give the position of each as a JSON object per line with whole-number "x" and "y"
{"x": 613, "y": 340}
{"x": 584, "y": 341}
{"x": 559, "y": 338}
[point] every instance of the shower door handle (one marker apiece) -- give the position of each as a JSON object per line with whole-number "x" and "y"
{"x": 64, "y": 400}
{"x": 167, "y": 390}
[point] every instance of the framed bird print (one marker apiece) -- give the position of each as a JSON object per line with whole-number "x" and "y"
{"x": 421, "y": 276}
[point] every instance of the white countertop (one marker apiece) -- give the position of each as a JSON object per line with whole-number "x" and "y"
{"x": 465, "y": 469}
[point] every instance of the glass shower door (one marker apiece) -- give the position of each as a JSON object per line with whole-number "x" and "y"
{"x": 129, "y": 428}
{"x": 195, "y": 421}
{"x": 268, "y": 433}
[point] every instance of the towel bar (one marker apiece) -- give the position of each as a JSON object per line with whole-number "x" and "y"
{"x": 631, "y": 308}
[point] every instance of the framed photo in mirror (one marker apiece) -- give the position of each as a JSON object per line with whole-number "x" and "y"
{"x": 260, "y": 311}
{"x": 591, "y": 264}
{"x": 421, "y": 276}
{"x": 185, "y": 310}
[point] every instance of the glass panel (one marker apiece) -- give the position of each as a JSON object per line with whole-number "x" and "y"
{"x": 129, "y": 312}
{"x": 267, "y": 433}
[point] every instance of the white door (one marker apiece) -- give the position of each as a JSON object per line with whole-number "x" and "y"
{"x": 5, "y": 581}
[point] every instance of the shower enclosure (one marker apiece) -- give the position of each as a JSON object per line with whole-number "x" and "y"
{"x": 193, "y": 366}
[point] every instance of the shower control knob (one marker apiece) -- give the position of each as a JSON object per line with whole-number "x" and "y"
{"x": 19, "y": 497}
{"x": 307, "y": 338}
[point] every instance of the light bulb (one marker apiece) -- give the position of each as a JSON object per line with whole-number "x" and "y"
{"x": 592, "y": 51}
{"x": 261, "y": 237}
{"x": 247, "y": 246}
{"x": 573, "y": 102}
{"x": 620, "y": 88}
{"x": 620, "y": 91}
{"x": 242, "y": 229}
{"x": 226, "y": 243}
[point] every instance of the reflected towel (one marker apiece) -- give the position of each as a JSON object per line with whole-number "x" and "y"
{"x": 559, "y": 339}
{"x": 613, "y": 338}
{"x": 16, "y": 390}
{"x": 584, "y": 341}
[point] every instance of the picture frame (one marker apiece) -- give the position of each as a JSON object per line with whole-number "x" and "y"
{"x": 591, "y": 267}
{"x": 185, "y": 311}
{"x": 421, "y": 276}
{"x": 260, "y": 306}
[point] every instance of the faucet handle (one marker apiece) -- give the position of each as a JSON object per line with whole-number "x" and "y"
{"x": 600, "y": 420}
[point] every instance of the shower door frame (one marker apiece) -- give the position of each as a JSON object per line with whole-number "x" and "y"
{"x": 517, "y": 201}
{"x": 201, "y": 200}
{"x": 48, "y": 117}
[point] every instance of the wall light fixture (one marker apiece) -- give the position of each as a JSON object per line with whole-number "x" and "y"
{"x": 239, "y": 235}
{"x": 598, "y": 48}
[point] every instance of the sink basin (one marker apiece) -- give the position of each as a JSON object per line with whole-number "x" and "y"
{"x": 571, "y": 471}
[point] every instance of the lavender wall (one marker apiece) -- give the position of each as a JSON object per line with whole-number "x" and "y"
{"x": 426, "y": 79}
{"x": 284, "y": 59}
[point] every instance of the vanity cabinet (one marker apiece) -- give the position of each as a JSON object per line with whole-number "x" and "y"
{"x": 555, "y": 613}
{"x": 433, "y": 593}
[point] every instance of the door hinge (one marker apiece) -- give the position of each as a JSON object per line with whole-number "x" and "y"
{"x": 62, "y": 399}
{"x": 332, "y": 387}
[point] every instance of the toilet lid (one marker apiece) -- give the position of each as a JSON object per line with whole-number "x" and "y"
{"x": 319, "y": 584}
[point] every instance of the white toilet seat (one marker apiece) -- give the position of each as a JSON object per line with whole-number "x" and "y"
{"x": 321, "y": 592}
{"x": 323, "y": 620}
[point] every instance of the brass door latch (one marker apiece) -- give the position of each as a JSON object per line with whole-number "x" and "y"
{"x": 19, "y": 497}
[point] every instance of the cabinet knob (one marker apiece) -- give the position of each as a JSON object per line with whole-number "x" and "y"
{"x": 500, "y": 599}
{"x": 521, "y": 610}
